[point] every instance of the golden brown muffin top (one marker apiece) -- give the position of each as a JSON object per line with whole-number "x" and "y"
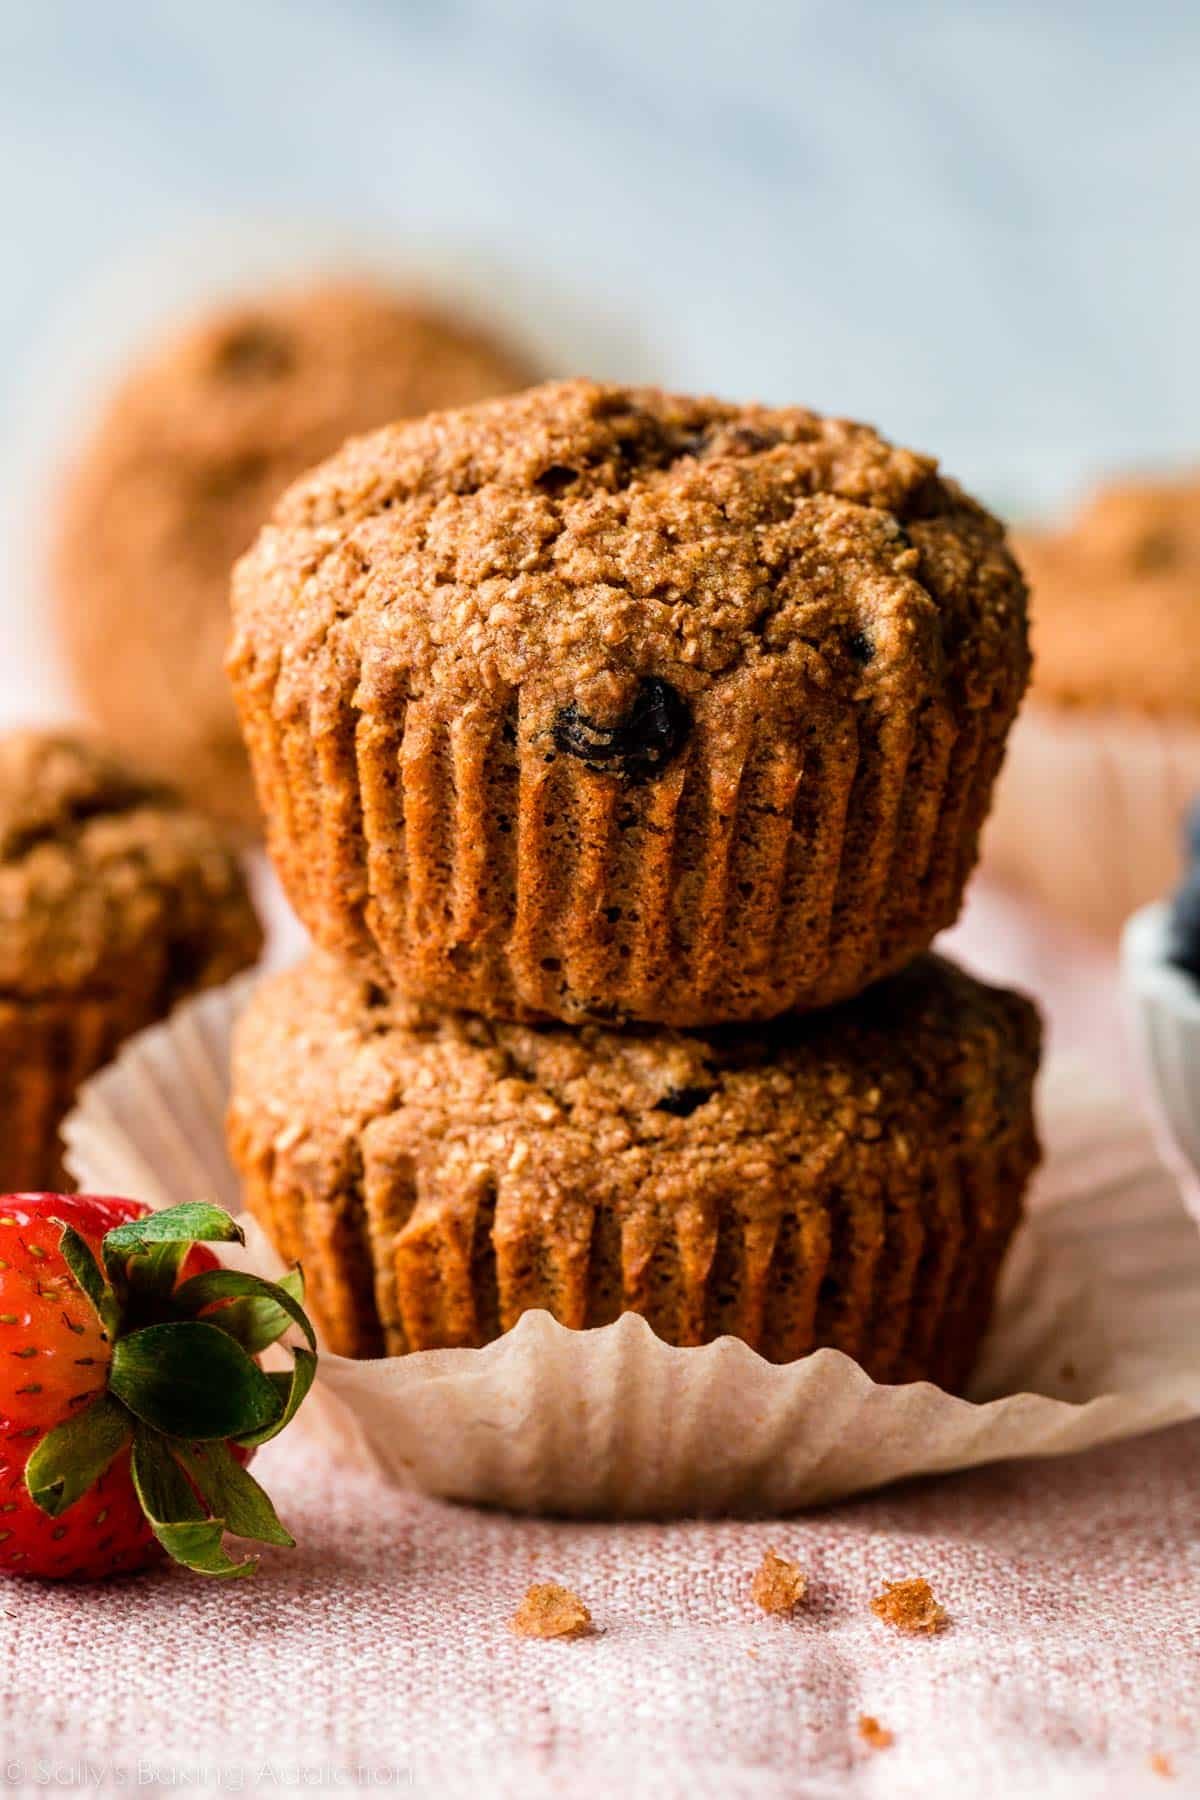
{"x": 1116, "y": 599}
{"x": 600, "y": 536}
{"x": 324, "y": 1053}
{"x": 101, "y": 870}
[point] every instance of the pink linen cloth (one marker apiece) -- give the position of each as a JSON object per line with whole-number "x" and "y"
{"x": 378, "y": 1652}
{"x": 377, "y": 1655}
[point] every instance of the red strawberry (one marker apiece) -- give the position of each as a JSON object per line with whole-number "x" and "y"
{"x": 130, "y": 1393}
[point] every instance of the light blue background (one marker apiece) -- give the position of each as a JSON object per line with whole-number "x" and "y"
{"x": 977, "y": 226}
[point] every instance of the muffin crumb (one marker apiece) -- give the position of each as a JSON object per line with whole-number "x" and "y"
{"x": 551, "y": 1611}
{"x": 872, "y": 1733}
{"x": 778, "y": 1586}
{"x": 910, "y": 1606}
{"x": 1162, "y": 1765}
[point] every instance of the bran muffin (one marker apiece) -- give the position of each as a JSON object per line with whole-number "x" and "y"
{"x": 183, "y": 468}
{"x": 115, "y": 902}
{"x": 848, "y": 1178}
{"x": 1106, "y": 758}
{"x": 603, "y": 703}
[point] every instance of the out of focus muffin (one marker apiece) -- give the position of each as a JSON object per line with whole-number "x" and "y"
{"x": 116, "y": 900}
{"x": 1106, "y": 755}
{"x": 184, "y": 466}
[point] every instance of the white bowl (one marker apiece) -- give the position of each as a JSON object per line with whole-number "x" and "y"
{"x": 1166, "y": 1004}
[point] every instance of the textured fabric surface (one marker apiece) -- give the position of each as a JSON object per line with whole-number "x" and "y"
{"x": 1071, "y": 1660}
{"x": 378, "y": 1655}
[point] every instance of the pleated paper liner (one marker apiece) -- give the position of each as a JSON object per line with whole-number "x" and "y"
{"x": 1094, "y": 1337}
{"x": 1089, "y": 810}
{"x": 756, "y": 869}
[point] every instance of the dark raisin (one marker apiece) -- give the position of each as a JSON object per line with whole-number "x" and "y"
{"x": 743, "y": 440}
{"x": 860, "y": 647}
{"x": 556, "y": 479}
{"x": 640, "y": 745}
{"x": 691, "y": 443}
{"x": 254, "y": 352}
{"x": 1152, "y": 552}
{"x": 681, "y": 1103}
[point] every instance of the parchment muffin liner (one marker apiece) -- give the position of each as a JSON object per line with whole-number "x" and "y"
{"x": 1094, "y": 1337}
{"x": 1089, "y": 810}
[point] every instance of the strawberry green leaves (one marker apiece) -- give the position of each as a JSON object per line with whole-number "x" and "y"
{"x": 184, "y": 1386}
{"x": 85, "y": 1271}
{"x": 193, "y": 1495}
{"x": 231, "y": 1493}
{"x": 187, "y": 1533}
{"x": 262, "y": 1310}
{"x": 72, "y": 1458}
{"x": 291, "y": 1390}
{"x": 193, "y": 1222}
{"x": 192, "y": 1381}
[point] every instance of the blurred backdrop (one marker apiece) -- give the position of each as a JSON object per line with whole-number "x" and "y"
{"x": 975, "y": 226}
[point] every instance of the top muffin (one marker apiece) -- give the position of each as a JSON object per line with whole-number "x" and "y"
{"x": 609, "y": 703}
{"x": 184, "y": 467}
{"x": 1117, "y": 600}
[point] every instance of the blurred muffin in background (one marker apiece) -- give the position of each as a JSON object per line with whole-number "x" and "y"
{"x": 116, "y": 901}
{"x": 183, "y": 467}
{"x": 1105, "y": 758}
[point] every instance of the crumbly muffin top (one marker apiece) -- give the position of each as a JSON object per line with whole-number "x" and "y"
{"x": 1116, "y": 599}
{"x": 595, "y": 537}
{"x": 100, "y": 868}
{"x": 325, "y": 1053}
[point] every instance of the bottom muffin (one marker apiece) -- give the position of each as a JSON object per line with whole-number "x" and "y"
{"x": 850, "y": 1178}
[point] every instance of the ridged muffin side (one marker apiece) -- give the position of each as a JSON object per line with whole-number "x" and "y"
{"x": 848, "y": 1179}
{"x": 115, "y": 902}
{"x": 608, "y": 704}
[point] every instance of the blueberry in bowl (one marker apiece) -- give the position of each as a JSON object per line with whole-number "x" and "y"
{"x": 1160, "y": 956}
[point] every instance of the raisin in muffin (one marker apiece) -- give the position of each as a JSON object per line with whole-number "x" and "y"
{"x": 115, "y": 902}
{"x": 602, "y": 703}
{"x": 184, "y": 467}
{"x": 1106, "y": 759}
{"x": 848, "y": 1179}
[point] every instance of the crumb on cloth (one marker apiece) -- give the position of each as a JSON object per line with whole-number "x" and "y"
{"x": 873, "y": 1733}
{"x": 551, "y": 1611}
{"x": 778, "y": 1586}
{"x": 910, "y": 1606}
{"x": 1162, "y": 1765}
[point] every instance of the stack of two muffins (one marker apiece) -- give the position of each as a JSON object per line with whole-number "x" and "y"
{"x": 624, "y": 754}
